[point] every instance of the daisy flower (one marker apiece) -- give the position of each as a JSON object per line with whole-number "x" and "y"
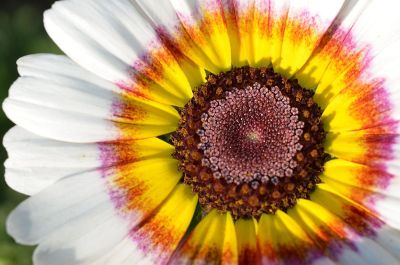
{"x": 210, "y": 132}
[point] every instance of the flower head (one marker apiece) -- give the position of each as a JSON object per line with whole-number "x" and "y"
{"x": 209, "y": 132}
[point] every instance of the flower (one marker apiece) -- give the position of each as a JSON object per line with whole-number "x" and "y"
{"x": 209, "y": 132}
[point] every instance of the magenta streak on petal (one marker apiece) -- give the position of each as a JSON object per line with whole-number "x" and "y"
{"x": 107, "y": 158}
{"x": 109, "y": 163}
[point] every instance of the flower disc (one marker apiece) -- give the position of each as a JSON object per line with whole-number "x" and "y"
{"x": 250, "y": 142}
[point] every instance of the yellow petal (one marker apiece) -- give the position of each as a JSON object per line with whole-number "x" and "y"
{"x": 117, "y": 153}
{"x": 138, "y": 118}
{"x": 247, "y": 23}
{"x": 305, "y": 27}
{"x": 246, "y": 234}
{"x": 138, "y": 188}
{"x": 360, "y": 105}
{"x": 162, "y": 78}
{"x": 335, "y": 55}
{"x": 213, "y": 241}
{"x": 373, "y": 146}
{"x": 322, "y": 226}
{"x": 360, "y": 219}
{"x": 159, "y": 236}
{"x": 280, "y": 238}
{"x": 204, "y": 23}
{"x": 354, "y": 174}
{"x": 276, "y": 27}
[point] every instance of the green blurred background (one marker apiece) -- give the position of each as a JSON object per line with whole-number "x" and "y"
{"x": 21, "y": 33}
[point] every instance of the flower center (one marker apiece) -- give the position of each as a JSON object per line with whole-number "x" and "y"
{"x": 250, "y": 142}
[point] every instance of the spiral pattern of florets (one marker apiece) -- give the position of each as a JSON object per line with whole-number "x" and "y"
{"x": 251, "y": 134}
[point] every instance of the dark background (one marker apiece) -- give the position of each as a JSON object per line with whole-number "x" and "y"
{"x": 21, "y": 33}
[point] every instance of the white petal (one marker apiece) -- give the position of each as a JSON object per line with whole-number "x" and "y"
{"x": 102, "y": 36}
{"x": 82, "y": 196}
{"x": 26, "y": 149}
{"x": 77, "y": 106}
{"x": 77, "y": 97}
{"x": 162, "y": 14}
{"x": 115, "y": 41}
{"x": 324, "y": 261}
{"x": 372, "y": 27}
{"x": 84, "y": 240}
{"x": 373, "y": 253}
{"x": 180, "y": 21}
{"x": 118, "y": 255}
{"x": 367, "y": 252}
{"x": 374, "y": 38}
{"x": 82, "y": 217}
{"x": 389, "y": 239}
{"x": 59, "y": 124}
{"x": 388, "y": 209}
{"x": 383, "y": 66}
{"x": 60, "y": 70}
{"x": 35, "y": 162}
{"x": 350, "y": 257}
{"x": 392, "y": 188}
